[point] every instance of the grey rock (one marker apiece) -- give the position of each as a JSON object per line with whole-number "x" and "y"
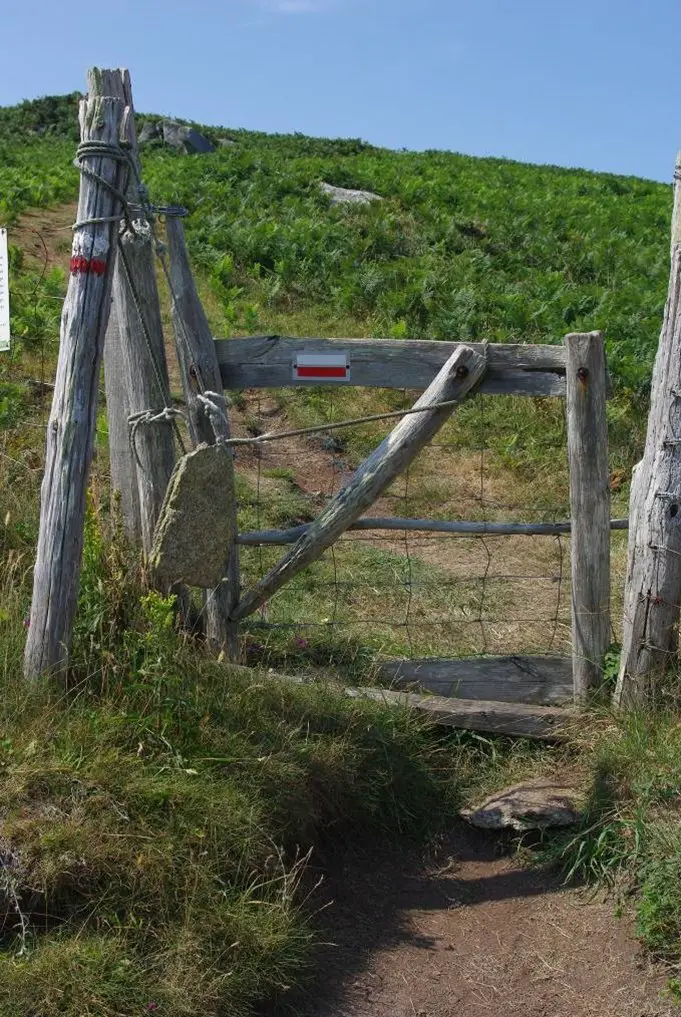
{"x": 346, "y": 196}
{"x": 185, "y": 139}
{"x": 226, "y": 143}
{"x": 194, "y": 530}
{"x": 533, "y": 805}
{"x": 150, "y": 131}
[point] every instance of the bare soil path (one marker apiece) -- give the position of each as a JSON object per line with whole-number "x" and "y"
{"x": 473, "y": 934}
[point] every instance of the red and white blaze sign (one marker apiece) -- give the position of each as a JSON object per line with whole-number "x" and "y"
{"x": 321, "y": 367}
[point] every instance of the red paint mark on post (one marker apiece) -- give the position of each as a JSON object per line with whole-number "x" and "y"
{"x": 80, "y": 265}
{"x": 321, "y": 367}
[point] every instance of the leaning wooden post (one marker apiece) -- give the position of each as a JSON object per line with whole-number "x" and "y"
{"x": 135, "y": 368}
{"x": 587, "y": 434}
{"x": 652, "y": 591}
{"x": 201, "y": 375}
{"x": 71, "y": 427}
{"x": 459, "y": 376}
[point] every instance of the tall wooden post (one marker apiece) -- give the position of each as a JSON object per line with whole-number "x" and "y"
{"x": 201, "y": 373}
{"x": 652, "y": 593}
{"x": 587, "y": 433}
{"x": 122, "y": 467}
{"x": 71, "y": 428}
{"x": 136, "y": 373}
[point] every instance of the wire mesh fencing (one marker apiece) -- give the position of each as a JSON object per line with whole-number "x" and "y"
{"x": 384, "y": 594}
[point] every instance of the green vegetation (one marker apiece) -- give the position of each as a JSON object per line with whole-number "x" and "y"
{"x": 161, "y": 806}
{"x": 630, "y": 838}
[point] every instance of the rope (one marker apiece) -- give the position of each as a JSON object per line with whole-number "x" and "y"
{"x": 211, "y": 403}
{"x": 167, "y": 415}
{"x": 105, "y": 149}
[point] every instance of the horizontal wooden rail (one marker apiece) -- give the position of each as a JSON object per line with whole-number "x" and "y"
{"x": 549, "y": 723}
{"x": 542, "y": 680}
{"x": 269, "y": 362}
{"x": 259, "y": 537}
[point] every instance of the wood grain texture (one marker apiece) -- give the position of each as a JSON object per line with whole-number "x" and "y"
{"x": 459, "y": 376}
{"x": 651, "y": 596}
{"x": 135, "y": 356}
{"x": 548, "y": 723}
{"x": 266, "y": 362}
{"x": 587, "y": 436}
{"x": 541, "y": 680}
{"x": 71, "y": 427}
{"x": 122, "y": 466}
{"x": 200, "y": 373}
{"x": 254, "y": 538}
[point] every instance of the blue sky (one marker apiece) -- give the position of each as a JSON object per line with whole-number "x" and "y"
{"x": 591, "y": 83}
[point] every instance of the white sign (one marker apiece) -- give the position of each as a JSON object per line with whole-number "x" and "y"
{"x": 321, "y": 367}
{"x": 4, "y": 292}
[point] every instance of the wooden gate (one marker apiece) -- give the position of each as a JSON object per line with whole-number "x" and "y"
{"x": 575, "y": 371}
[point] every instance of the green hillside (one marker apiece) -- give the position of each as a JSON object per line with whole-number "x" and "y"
{"x": 460, "y": 247}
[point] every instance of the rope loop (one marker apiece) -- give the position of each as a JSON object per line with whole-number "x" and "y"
{"x": 168, "y": 415}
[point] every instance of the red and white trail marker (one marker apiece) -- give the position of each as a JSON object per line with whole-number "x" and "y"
{"x": 321, "y": 367}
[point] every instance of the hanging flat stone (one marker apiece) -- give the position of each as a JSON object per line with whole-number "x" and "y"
{"x": 195, "y": 531}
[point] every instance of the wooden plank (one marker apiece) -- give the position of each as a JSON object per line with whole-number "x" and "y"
{"x": 548, "y": 723}
{"x": 201, "y": 379}
{"x": 135, "y": 356}
{"x": 542, "y": 680}
{"x": 255, "y": 538}
{"x": 456, "y": 379}
{"x": 651, "y": 596}
{"x": 71, "y": 427}
{"x": 587, "y": 437}
{"x": 267, "y": 362}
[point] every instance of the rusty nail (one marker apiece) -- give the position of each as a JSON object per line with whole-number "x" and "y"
{"x": 583, "y": 373}
{"x": 462, "y": 372}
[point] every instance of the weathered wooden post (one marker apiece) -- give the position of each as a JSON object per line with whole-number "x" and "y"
{"x": 122, "y": 467}
{"x": 587, "y": 434}
{"x": 135, "y": 371}
{"x": 201, "y": 380}
{"x": 71, "y": 427}
{"x": 653, "y": 588}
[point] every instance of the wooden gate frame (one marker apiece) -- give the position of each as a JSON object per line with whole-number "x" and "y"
{"x": 575, "y": 371}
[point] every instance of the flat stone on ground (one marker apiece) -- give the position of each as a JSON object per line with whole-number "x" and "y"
{"x": 534, "y": 805}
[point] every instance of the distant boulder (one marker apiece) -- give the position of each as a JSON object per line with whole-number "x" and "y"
{"x": 226, "y": 143}
{"x": 346, "y": 196}
{"x": 178, "y": 136}
{"x": 185, "y": 139}
{"x": 151, "y": 130}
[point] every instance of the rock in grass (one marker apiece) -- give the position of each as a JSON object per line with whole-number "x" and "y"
{"x": 345, "y": 196}
{"x": 194, "y": 530}
{"x": 534, "y": 805}
{"x": 185, "y": 139}
{"x": 150, "y": 131}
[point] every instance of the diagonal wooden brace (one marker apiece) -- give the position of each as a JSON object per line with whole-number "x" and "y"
{"x": 459, "y": 376}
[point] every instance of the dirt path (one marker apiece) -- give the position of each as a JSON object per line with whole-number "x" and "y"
{"x": 475, "y": 935}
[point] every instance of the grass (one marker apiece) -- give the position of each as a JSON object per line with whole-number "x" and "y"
{"x": 159, "y": 807}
